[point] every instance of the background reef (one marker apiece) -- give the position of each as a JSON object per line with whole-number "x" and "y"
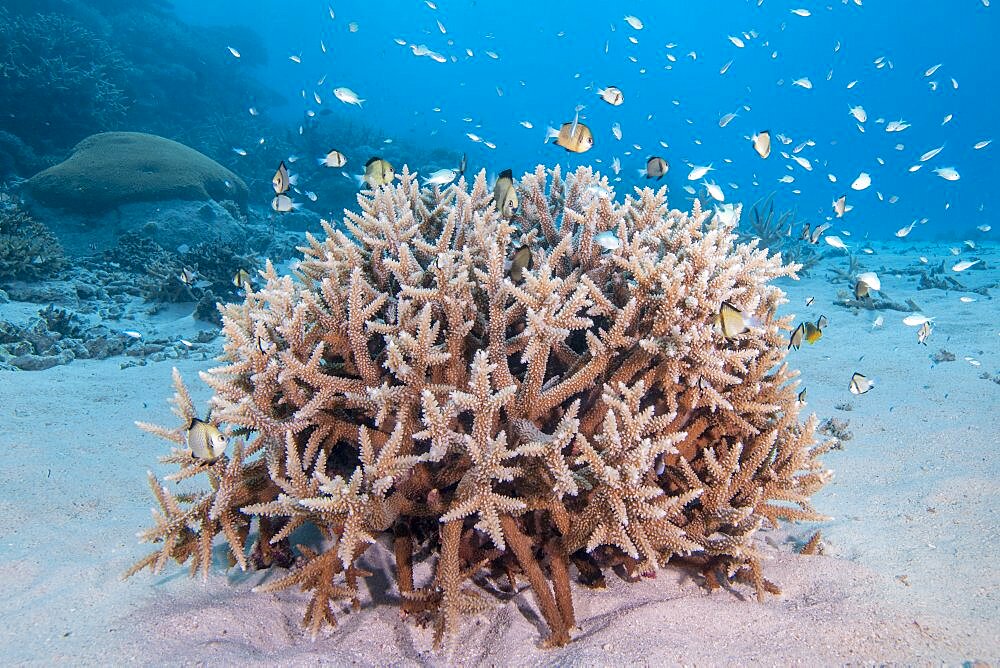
{"x": 74, "y": 68}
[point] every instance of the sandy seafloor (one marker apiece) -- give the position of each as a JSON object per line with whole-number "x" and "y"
{"x": 908, "y": 575}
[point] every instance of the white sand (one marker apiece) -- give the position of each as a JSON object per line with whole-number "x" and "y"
{"x": 908, "y": 576}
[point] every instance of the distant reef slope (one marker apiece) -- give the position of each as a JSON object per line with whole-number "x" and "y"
{"x": 110, "y": 169}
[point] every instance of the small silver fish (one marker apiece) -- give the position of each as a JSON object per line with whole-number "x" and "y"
{"x": 441, "y": 177}
{"x": 608, "y": 239}
{"x": 347, "y": 96}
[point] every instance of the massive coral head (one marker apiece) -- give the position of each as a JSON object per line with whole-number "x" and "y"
{"x": 417, "y": 382}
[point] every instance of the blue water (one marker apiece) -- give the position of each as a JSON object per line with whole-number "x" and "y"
{"x": 554, "y": 59}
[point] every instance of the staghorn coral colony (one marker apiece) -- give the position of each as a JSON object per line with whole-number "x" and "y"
{"x": 414, "y": 384}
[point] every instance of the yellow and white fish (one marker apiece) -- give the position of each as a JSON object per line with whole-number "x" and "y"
{"x": 733, "y": 322}
{"x": 205, "y": 441}
{"x": 281, "y": 181}
{"x": 378, "y": 172}
{"x": 574, "y": 137}
{"x": 517, "y": 265}
{"x": 505, "y": 194}
{"x": 241, "y": 279}
{"x": 813, "y": 333}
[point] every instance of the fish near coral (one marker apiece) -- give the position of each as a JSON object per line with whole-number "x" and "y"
{"x": 205, "y": 441}
{"x": 241, "y": 279}
{"x": 378, "y": 172}
{"x": 734, "y": 322}
{"x": 505, "y": 194}
{"x": 813, "y": 333}
{"x": 656, "y": 168}
{"x": 574, "y": 137}
{"x": 519, "y": 263}
{"x": 795, "y": 341}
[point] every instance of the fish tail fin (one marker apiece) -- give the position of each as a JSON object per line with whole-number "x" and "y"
{"x": 359, "y": 179}
{"x": 550, "y": 132}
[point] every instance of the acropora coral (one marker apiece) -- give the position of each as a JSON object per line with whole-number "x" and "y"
{"x": 401, "y": 387}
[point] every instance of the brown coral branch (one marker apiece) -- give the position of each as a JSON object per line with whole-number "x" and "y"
{"x": 521, "y": 545}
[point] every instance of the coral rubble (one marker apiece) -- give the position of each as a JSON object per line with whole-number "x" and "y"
{"x": 403, "y": 387}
